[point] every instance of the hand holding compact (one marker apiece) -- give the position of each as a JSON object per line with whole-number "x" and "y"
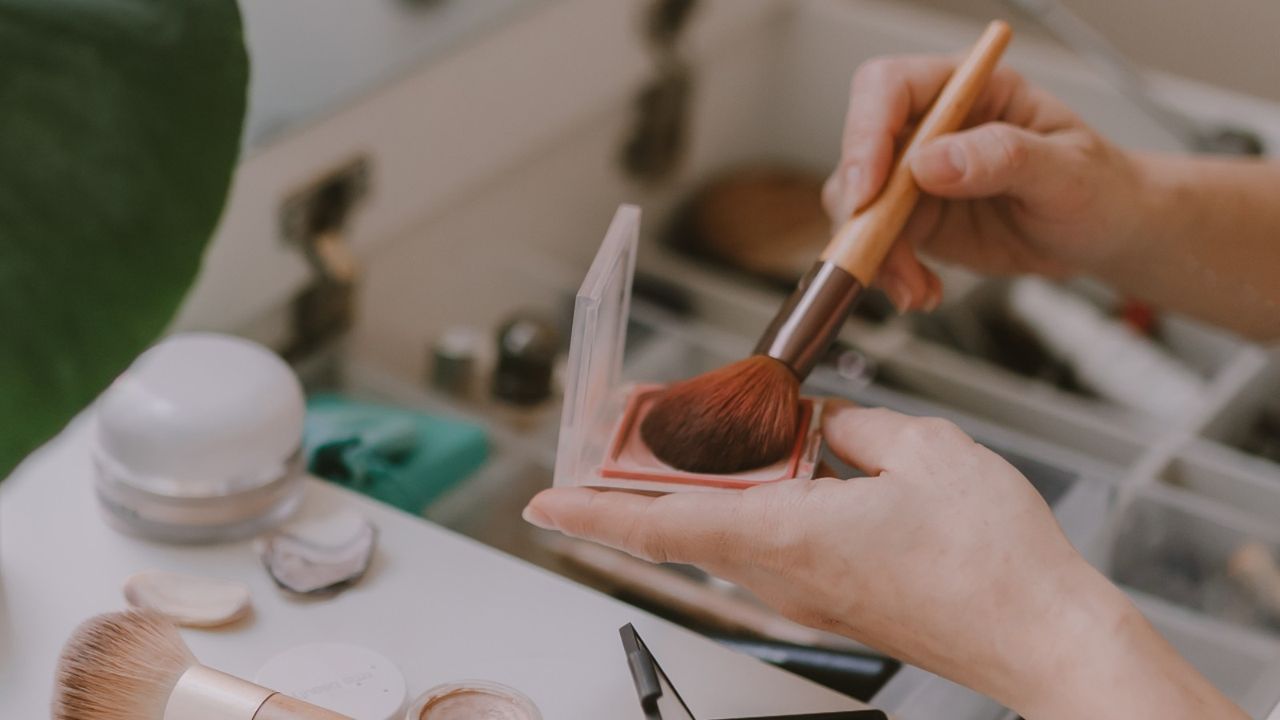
{"x": 944, "y": 556}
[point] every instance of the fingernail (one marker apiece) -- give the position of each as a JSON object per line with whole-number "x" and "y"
{"x": 935, "y": 299}
{"x": 537, "y": 518}
{"x": 941, "y": 162}
{"x": 898, "y": 292}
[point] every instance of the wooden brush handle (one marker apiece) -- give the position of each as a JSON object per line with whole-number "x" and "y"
{"x": 283, "y": 707}
{"x": 862, "y": 242}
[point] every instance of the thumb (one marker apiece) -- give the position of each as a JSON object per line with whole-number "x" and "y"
{"x": 694, "y": 528}
{"x": 991, "y": 159}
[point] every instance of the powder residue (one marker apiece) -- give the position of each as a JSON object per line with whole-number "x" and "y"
{"x": 473, "y": 704}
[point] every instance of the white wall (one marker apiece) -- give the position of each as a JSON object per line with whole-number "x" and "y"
{"x": 1232, "y": 43}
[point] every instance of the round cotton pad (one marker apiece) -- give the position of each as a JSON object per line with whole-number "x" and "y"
{"x": 346, "y": 679}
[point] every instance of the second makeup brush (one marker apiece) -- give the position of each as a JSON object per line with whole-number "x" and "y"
{"x": 134, "y": 666}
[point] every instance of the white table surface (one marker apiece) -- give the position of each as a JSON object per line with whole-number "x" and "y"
{"x": 439, "y": 605}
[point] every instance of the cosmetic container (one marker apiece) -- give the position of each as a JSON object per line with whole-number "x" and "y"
{"x": 659, "y": 699}
{"x": 455, "y": 360}
{"x": 473, "y": 699}
{"x": 199, "y": 441}
{"x": 527, "y": 349}
{"x": 600, "y": 443}
{"x": 347, "y": 679}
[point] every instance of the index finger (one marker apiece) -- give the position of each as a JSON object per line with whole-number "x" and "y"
{"x": 695, "y": 528}
{"x": 886, "y": 94}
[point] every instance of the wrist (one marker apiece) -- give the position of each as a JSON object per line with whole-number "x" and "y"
{"x": 1083, "y": 623}
{"x": 1152, "y": 199}
{"x": 1109, "y": 662}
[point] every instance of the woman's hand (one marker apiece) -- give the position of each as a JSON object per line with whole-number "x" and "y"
{"x": 945, "y": 557}
{"x": 1026, "y": 187}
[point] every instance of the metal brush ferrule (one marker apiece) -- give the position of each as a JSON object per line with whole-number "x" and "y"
{"x": 206, "y": 694}
{"x": 810, "y": 319}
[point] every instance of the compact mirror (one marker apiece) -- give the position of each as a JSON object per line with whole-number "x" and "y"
{"x": 660, "y": 700}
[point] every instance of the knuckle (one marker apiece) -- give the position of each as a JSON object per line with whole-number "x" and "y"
{"x": 782, "y": 537}
{"x": 875, "y": 72}
{"x": 644, "y": 543}
{"x": 831, "y": 193}
{"x": 579, "y": 524}
{"x": 1095, "y": 148}
{"x": 642, "y": 540}
{"x": 929, "y": 432}
{"x": 1008, "y": 149}
{"x": 863, "y": 141}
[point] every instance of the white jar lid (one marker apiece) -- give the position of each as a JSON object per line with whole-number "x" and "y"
{"x": 201, "y": 414}
{"x": 347, "y": 679}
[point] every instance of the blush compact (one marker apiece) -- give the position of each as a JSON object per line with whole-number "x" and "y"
{"x": 600, "y": 443}
{"x": 630, "y": 459}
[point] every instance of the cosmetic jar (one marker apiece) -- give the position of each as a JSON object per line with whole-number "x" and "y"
{"x": 600, "y": 443}
{"x": 527, "y": 349}
{"x": 199, "y": 441}
{"x": 455, "y": 357}
{"x": 470, "y": 699}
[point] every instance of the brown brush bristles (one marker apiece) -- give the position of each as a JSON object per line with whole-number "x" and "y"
{"x": 740, "y": 417}
{"x": 119, "y": 666}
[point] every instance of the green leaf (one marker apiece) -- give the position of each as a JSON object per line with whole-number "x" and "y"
{"x": 119, "y": 129}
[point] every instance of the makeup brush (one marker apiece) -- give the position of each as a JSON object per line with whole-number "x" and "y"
{"x": 746, "y": 415}
{"x": 134, "y": 666}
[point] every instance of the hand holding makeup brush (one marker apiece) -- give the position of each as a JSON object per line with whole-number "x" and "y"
{"x": 1026, "y": 186}
{"x": 945, "y": 557}
{"x": 745, "y": 415}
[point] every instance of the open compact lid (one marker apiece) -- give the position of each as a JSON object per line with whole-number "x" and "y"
{"x": 593, "y": 394}
{"x": 660, "y": 701}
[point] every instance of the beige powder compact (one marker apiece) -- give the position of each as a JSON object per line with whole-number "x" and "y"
{"x": 473, "y": 700}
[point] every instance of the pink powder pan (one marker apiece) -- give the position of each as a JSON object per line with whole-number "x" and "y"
{"x": 630, "y": 459}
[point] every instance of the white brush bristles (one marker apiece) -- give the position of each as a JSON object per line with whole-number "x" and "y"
{"x": 119, "y": 666}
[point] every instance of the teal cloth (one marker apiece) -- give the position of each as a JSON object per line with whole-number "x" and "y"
{"x": 402, "y": 457}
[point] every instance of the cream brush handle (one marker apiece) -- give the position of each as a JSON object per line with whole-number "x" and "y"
{"x": 283, "y": 707}
{"x": 862, "y": 242}
{"x": 203, "y": 693}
